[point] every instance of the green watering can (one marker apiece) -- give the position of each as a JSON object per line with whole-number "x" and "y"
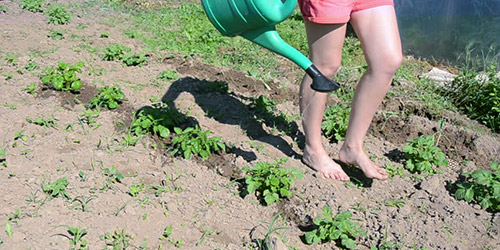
{"x": 255, "y": 20}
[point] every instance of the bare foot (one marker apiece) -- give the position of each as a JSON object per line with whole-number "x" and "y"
{"x": 360, "y": 159}
{"x": 321, "y": 162}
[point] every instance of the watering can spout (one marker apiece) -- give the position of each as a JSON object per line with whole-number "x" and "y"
{"x": 269, "y": 38}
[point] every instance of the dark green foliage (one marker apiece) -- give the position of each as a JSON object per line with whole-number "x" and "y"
{"x": 32, "y": 5}
{"x": 478, "y": 96}
{"x": 115, "y": 52}
{"x": 481, "y": 187}
{"x": 194, "y": 141}
{"x": 263, "y": 104}
{"x": 108, "y": 97}
{"x": 56, "y": 188}
{"x": 158, "y": 120}
{"x": 135, "y": 59}
{"x": 58, "y": 15}
{"x": 168, "y": 75}
{"x": 271, "y": 181}
{"x": 422, "y": 156}
{"x": 63, "y": 77}
{"x": 330, "y": 228}
{"x": 336, "y": 121}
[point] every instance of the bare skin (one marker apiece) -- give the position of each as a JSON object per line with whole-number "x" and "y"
{"x": 377, "y": 30}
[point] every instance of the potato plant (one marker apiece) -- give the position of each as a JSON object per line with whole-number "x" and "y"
{"x": 58, "y": 15}
{"x": 332, "y": 228}
{"x": 271, "y": 181}
{"x": 56, "y": 188}
{"x": 63, "y": 76}
{"x": 423, "y": 156}
{"x": 194, "y": 141}
{"x": 481, "y": 187}
{"x": 115, "y": 52}
{"x": 32, "y": 5}
{"x": 108, "y": 97}
{"x": 158, "y": 120}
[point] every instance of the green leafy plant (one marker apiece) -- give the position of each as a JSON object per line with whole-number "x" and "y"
{"x": 135, "y": 189}
{"x": 270, "y": 180}
{"x": 44, "y": 122}
{"x": 168, "y": 75}
{"x": 194, "y": 141}
{"x": 422, "y": 156}
{"x": 113, "y": 174}
{"x": 263, "y": 104}
{"x": 118, "y": 240}
{"x": 76, "y": 240}
{"x": 56, "y": 34}
{"x": 108, "y": 97}
{"x": 63, "y": 77}
{"x": 395, "y": 170}
{"x": 32, "y": 5}
{"x": 89, "y": 117}
{"x": 135, "y": 59}
{"x": 336, "y": 121}
{"x": 478, "y": 95}
{"x": 56, "y": 188}
{"x": 115, "y": 52}
{"x": 3, "y": 9}
{"x": 330, "y": 228}
{"x": 31, "y": 66}
{"x": 58, "y": 15}
{"x": 30, "y": 89}
{"x": 104, "y": 35}
{"x": 481, "y": 187}
{"x": 159, "y": 120}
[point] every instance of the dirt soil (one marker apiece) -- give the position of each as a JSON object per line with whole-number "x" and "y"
{"x": 203, "y": 196}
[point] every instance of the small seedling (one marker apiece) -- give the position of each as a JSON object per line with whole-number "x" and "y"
{"x": 56, "y": 34}
{"x": 8, "y": 229}
{"x": 113, "y": 174}
{"x": 20, "y": 135}
{"x": 115, "y": 52}
{"x": 330, "y": 228}
{"x": 63, "y": 77}
{"x": 481, "y": 187}
{"x": 395, "y": 170}
{"x": 104, "y": 35}
{"x": 194, "y": 141}
{"x": 47, "y": 123}
{"x": 76, "y": 240}
{"x": 56, "y": 188}
{"x": 271, "y": 181}
{"x": 30, "y": 89}
{"x": 89, "y": 117}
{"x": 108, "y": 97}
{"x": 83, "y": 203}
{"x": 134, "y": 59}
{"x": 168, "y": 75}
{"x": 31, "y": 66}
{"x": 116, "y": 240}
{"x": 135, "y": 189}
{"x": 335, "y": 122}
{"x": 58, "y": 15}
{"x": 423, "y": 156}
{"x": 32, "y": 5}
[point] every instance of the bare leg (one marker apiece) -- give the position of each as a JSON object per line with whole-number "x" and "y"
{"x": 378, "y": 32}
{"x": 325, "y": 45}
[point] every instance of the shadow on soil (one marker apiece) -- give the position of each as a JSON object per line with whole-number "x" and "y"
{"x": 225, "y": 107}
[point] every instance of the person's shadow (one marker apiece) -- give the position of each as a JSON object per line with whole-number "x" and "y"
{"x": 225, "y": 107}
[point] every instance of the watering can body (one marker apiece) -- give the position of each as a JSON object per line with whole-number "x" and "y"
{"x": 255, "y": 20}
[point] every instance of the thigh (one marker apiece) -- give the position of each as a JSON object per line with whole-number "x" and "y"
{"x": 325, "y": 44}
{"x": 378, "y": 32}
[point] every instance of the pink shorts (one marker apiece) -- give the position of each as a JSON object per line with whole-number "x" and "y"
{"x": 336, "y": 11}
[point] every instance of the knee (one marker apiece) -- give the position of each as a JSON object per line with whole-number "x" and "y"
{"x": 328, "y": 69}
{"x": 388, "y": 64}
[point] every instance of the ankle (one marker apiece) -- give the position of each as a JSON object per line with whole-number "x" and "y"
{"x": 352, "y": 147}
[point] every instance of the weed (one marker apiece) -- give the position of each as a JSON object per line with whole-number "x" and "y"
{"x": 262, "y": 104}
{"x": 163, "y": 187}
{"x": 104, "y": 35}
{"x": 76, "y": 240}
{"x": 2, "y": 157}
{"x": 20, "y": 135}
{"x": 395, "y": 203}
{"x": 56, "y": 188}
{"x": 481, "y": 187}
{"x": 63, "y": 77}
{"x": 422, "y": 155}
{"x": 271, "y": 181}
{"x": 116, "y": 240}
{"x": 89, "y": 117}
{"x": 56, "y": 34}
{"x": 478, "y": 95}
{"x": 109, "y": 97}
{"x": 194, "y": 141}
{"x": 31, "y": 66}
{"x": 135, "y": 189}
{"x": 395, "y": 170}
{"x": 8, "y": 229}
{"x": 113, "y": 174}
{"x": 3, "y": 9}
{"x": 30, "y": 89}
{"x": 44, "y": 122}
{"x": 335, "y": 122}
{"x": 11, "y": 59}
{"x": 58, "y": 15}
{"x": 168, "y": 75}
{"x": 9, "y": 76}
{"x": 135, "y": 59}
{"x": 115, "y": 52}
{"x": 32, "y": 5}
{"x": 330, "y": 228}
